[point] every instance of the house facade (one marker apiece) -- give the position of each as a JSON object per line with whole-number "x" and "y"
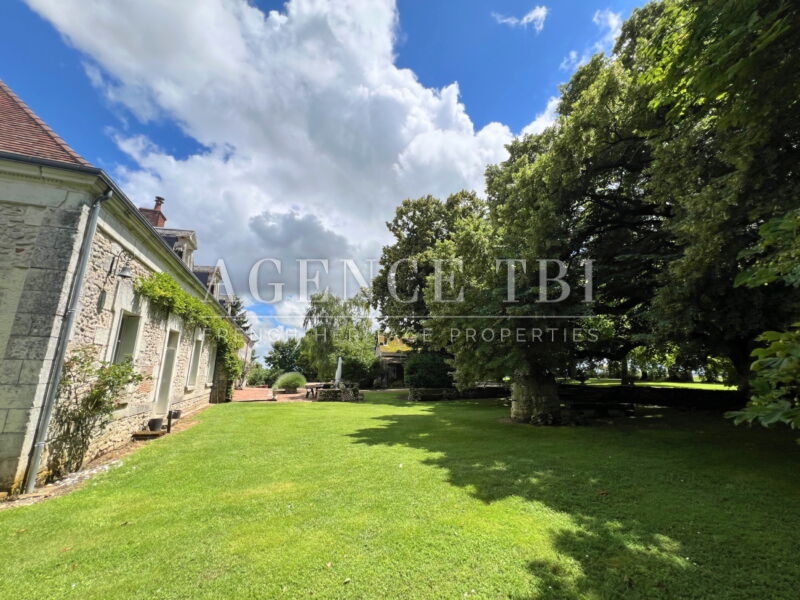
{"x": 71, "y": 247}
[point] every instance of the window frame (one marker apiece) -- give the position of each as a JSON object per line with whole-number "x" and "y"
{"x": 194, "y": 359}
{"x": 211, "y": 364}
{"x": 126, "y": 317}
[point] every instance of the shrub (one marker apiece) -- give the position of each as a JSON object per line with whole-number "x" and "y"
{"x": 271, "y": 376}
{"x": 88, "y": 394}
{"x": 290, "y": 381}
{"x": 427, "y": 370}
{"x": 361, "y": 373}
{"x": 261, "y": 375}
{"x": 257, "y": 375}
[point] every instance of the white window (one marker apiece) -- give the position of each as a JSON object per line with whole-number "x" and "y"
{"x": 194, "y": 364}
{"x": 126, "y": 338}
{"x": 212, "y": 361}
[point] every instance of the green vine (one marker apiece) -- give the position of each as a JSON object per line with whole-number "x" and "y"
{"x": 89, "y": 391}
{"x": 165, "y": 293}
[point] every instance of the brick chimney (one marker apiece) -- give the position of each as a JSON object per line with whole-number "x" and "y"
{"x": 154, "y": 215}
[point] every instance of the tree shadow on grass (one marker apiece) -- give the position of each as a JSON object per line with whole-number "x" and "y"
{"x": 634, "y": 500}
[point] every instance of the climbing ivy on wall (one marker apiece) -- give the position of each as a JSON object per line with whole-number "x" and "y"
{"x": 166, "y": 294}
{"x": 89, "y": 391}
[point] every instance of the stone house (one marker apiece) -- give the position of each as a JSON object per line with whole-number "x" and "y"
{"x": 71, "y": 246}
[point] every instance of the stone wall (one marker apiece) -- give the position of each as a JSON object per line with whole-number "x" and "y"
{"x": 42, "y": 214}
{"x": 104, "y": 300}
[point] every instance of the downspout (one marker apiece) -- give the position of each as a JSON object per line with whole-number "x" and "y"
{"x": 51, "y": 393}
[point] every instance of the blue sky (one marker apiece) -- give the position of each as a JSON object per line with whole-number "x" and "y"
{"x": 505, "y": 74}
{"x": 295, "y": 133}
{"x": 49, "y": 75}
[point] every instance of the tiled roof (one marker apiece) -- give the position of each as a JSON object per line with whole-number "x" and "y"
{"x": 24, "y": 133}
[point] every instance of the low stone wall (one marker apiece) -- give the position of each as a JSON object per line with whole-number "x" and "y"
{"x": 331, "y": 395}
{"x": 350, "y": 394}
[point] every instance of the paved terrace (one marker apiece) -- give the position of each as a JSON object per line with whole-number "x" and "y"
{"x": 259, "y": 394}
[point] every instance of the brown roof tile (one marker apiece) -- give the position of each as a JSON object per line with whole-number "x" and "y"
{"x": 24, "y": 133}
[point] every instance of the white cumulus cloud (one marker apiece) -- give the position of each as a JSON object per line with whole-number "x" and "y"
{"x": 610, "y": 25}
{"x": 544, "y": 119}
{"x": 311, "y": 134}
{"x": 534, "y": 17}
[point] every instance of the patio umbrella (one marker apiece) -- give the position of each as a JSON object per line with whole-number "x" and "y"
{"x": 338, "y": 377}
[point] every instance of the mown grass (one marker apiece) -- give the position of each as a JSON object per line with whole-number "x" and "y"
{"x": 694, "y": 385}
{"x": 388, "y": 499}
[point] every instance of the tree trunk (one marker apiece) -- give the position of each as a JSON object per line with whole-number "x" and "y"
{"x": 741, "y": 360}
{"x": 534, "y": 399}
{"x": 521, "y": 400}
{"x": 625, "y": 375}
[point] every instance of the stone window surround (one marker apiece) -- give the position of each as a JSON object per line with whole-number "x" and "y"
{"x": 118, "y": 341}
{"x": 198, "y": 336}
{"x": 185, "y": 251}
{"x": 211, "y": 364}
{"x": 173, "y": 323}
{"x": 124, "y": 303}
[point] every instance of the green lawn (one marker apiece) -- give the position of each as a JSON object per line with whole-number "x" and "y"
{"x": 696, "y": 385}
{"x": 394, "y": 500}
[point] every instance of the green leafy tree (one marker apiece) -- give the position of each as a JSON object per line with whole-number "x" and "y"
{"x": 284, "y": 355}
{"x": 338, "y": 327}
{"x": 776, "y": 384}
{"x": 531, "y": 363}
{"x": 427, "y": 370}
{"x": 724, "y": 74}
{"x": 258, "y": 374}
{"x": 405, "y": 265}
{"x": 777, "y": 254}
{"x": 576, "y": 192}
{"x": 238, "y": 313}
{"x": 664, "y": 162}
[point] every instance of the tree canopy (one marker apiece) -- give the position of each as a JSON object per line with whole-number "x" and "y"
{"x": 671, "y": 170}
{"x": 338, "y": 327}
